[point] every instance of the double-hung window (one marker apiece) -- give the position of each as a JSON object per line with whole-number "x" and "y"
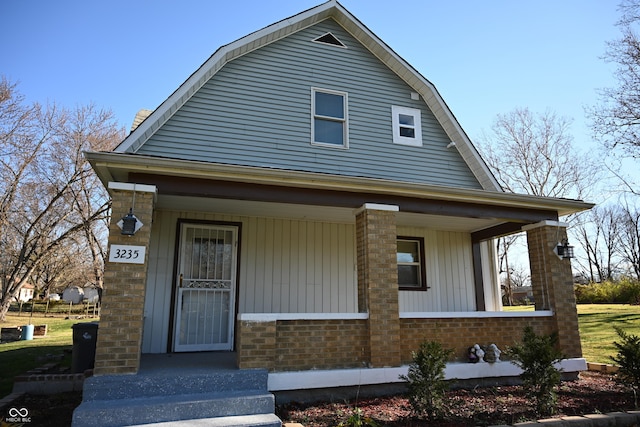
{"x": 410, "y": 260}
{"x": 329, "y": 121}
{"x": 407, "y": 126}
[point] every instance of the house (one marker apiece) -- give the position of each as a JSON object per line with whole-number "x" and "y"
{"x": 307, "y": 203}
{"x": 26, "y": 293}
{"x": 91, "y": 294}
{"x": 523, "y": 294}
{"x": 73, "y": 294}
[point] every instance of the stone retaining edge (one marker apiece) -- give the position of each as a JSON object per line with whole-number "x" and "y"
{"x": 612, "y": 419}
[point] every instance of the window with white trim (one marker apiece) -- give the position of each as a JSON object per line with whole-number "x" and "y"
{"x": 407, "y": 126}
{"x": 410, "y": 260}
{"x": 329, "y": 118}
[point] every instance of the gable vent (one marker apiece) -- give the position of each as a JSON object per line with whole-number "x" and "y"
{"x": 329, "y": 38}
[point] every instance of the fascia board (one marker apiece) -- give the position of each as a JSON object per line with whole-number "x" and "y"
{"x": 104, "y": 163}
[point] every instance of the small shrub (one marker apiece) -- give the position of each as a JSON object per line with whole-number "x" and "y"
{"x": 628, "y": 361}
{"x": 426, "y": 381}
{"x": 356, "y": 419}
{"x": 536, "y": 356}
{"x": 623, "y": 291}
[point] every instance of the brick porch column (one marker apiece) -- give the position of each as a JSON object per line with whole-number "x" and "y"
{"x": 552, "y": 282}
{"x": 378, "y": 281}
{"x": 121, "y": 316}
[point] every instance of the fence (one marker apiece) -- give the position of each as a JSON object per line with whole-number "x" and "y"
{"x": 56, "y": 308}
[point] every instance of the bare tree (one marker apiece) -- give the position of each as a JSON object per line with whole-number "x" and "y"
{"x": 598, "y": 232}
{"x": 534, "y": 154}
{"x": 49, "y": 195}
{"x": 630, "y": 238}
{"x": 616, "y": 120}
{"x": 503, "y": 246}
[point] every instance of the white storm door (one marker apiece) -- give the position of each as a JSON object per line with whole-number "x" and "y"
{"x": 206, "y": 288}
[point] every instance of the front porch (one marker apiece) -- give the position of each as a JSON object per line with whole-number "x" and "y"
{"x": 307, "y": 286}
{"x": 317, "y": 304}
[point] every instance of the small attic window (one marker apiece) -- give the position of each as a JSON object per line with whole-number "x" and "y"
{"x": 329, "y": 39}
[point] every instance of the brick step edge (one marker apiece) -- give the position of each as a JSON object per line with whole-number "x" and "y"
{"x": 49, "y": 383}
{"x": 602, "y": 367}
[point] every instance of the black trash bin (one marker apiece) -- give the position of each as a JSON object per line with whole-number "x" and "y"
{"x": 83, "y": 355}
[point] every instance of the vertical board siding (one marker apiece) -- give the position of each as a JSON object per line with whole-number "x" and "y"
{"x": 449, "y": 270}
{"x": 286, "y": 266}
{"x": 261, "y": 103}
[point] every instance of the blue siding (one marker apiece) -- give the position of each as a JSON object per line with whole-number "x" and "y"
{"x": 256, "y": 112}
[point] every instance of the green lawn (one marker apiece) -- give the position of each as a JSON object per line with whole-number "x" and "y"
{"x": 596, "y": 322}
{"x": 20, "y": 356}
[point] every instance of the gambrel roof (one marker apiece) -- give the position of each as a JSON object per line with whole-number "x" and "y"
{"x": 334, "y": 10}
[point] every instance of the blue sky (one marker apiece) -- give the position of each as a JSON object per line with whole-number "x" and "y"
{"x": 484, "y": 58}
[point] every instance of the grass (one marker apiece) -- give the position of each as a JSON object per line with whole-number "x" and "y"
{"x": 596, "y": 322}
{"x": 20, "y": 356}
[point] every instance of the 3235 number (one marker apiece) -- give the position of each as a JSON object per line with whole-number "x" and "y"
{"x": 126, "y": 254}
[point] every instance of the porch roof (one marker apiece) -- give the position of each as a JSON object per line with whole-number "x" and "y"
{"x": 481, "y": 209}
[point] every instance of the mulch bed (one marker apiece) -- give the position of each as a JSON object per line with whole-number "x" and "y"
{"x": 593, "y": 392}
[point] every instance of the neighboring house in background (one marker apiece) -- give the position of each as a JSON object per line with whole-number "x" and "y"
{"x": 53, "y": 297}
{"x": 523, "y": 295}
{"x": 26, "y": 293}
{"x": 91, "y": 294}
{"x": 73, "y": 294}
{"x": 309, "y": 202}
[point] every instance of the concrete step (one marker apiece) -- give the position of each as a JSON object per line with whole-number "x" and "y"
{"x": 117, "y": 387}
{"x": 172, "y": 408}
{"x": 266, "y": 420}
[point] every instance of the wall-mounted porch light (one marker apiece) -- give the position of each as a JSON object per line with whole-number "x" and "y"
{"x": 564, "y": 250}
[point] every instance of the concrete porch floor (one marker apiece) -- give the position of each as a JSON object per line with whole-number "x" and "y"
{"x": 188, "y": 362}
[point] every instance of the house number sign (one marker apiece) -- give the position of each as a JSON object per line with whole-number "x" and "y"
{"x": 127, "y": 254}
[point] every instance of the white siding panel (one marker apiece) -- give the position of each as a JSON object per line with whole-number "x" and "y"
{"x": 286, "y": 266}
{"x": 449, "y": 271}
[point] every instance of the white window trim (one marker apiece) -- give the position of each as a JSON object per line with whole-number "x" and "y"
{"x": 403, "y": 140}
{"x": 345, "y": 121}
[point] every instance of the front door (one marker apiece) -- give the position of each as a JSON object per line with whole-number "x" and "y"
{"x": 206, "y": 288}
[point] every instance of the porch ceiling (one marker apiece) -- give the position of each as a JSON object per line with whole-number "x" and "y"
{"x": 316, "y": 213}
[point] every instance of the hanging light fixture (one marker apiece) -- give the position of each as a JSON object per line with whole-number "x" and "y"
{"x": 129, "y": 223}
{"x": 564, "y": 250}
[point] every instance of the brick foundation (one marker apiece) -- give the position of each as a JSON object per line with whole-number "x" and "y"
{"x": 459, "y": 334}
{"x": 295, "y": 345}
{"x": 299, "y": 345}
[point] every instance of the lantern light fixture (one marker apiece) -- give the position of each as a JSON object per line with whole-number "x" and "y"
{"x": 128, "y": 224}
{"x": 564, "y": 250}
